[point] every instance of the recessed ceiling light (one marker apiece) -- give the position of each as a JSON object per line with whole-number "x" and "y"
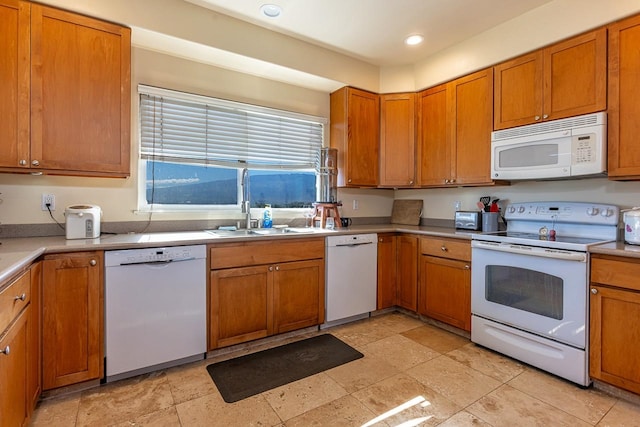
{"x": 271, "y": 10}
{"x": 414, "y": 39}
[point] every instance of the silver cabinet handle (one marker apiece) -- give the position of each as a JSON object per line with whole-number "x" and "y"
{"x": 411, "y": 182}
{"x": 270, "y": 268}
{"x": 466, "y": 267}
{"x": 35, "y": 163}
{"x": 537, "y": 117}
{"x": 20, "y": 297}
{"x": 93, "y": 262}
{"x": 23, "y": 162}
{"x": 277, "y": 268}
{"x": 444, "y": 248}
{"x": 349, "y": 180}
{"x": 545, "y": 116}
{"x": 594, "y": 291}
{"x": 6, "y": 350}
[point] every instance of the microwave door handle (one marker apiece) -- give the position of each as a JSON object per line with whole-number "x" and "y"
{"x": 531, "y": 251}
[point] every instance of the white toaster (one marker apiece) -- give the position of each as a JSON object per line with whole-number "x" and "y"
{"x": 83, "y": 221}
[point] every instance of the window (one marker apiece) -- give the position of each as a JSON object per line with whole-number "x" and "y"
{"x": 193, "y": 150}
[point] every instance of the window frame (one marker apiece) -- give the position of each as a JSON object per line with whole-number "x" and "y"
{"x": 144, "y": 207}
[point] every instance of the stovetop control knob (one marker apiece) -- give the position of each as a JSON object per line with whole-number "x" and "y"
{"x": 521, "y": 209}
{"x": 606, "y": 212}
{"x": 592, "y": 211}
{"x": 511, "y": 209}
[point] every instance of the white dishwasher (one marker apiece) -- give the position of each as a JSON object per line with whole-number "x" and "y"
{"x": 351, "y": 272}
{"x": 155, "y": 308}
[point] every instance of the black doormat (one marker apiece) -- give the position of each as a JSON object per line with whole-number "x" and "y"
{"x": 248, "y": 375}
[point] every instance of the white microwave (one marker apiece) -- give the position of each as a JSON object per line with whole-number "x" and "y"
{"x": 565, "y": 148}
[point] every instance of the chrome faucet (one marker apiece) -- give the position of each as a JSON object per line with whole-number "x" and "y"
{"x": 246, "y": 204}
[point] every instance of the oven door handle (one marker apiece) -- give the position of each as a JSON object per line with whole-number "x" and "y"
{"x": 531, "y": 251}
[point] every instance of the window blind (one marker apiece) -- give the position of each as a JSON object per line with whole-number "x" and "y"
{"x": 187, "y": 128}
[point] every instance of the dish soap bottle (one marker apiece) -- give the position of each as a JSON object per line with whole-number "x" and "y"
{"x": 267, "y": 219}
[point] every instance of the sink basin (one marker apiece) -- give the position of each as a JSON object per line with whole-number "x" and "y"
{"x": 263, "y": 231}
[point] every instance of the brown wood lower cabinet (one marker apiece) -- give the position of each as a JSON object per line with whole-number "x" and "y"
{"x": 614, "y": 342}
{"x": 407, "y": 271}
{"x": 72, "y": 342}
{"x": 264, "y": 288}
{"x": 34, "y": 369}
{"x": 13, "y": 372}
{"x": 444, "y": 291}
{"x": 387, "y": 288}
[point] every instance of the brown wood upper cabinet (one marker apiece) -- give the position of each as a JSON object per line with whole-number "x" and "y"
{"x": 68, "y": 112}
{"x": 454, "y": 136}
{"x": 624, "y": 100}
{"x": 355, "y": 132}
{"x": 397, "y": 140}
{"x": 563, "y": 80}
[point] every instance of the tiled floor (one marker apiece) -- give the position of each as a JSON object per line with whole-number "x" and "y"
{"x": 412, "y": 374}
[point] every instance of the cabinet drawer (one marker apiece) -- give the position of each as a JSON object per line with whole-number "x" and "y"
{"x": 446, "y": 248}
{"x": 228, "y": 255}
{"x": 14, "y": 298}
{"x": 619, "y": 272}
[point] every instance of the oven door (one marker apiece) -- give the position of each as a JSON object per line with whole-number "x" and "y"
{"x": 542, "y": 291}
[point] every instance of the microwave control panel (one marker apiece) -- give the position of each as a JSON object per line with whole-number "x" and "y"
{"x": 583, "y": 148}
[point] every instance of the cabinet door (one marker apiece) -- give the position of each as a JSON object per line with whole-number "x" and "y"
{"x": 397, "y": 140}
{"x": 624, "y": 99}
{"x": 80, "y": 83}
{"x": 355, "y": 132}
{"x": 445, "y": 291}
{"x": 13, "y": 372}
{"x": 434, "y": 141}
{"x": 298, "y": 295}
{"x": 34, "y": 349}
{"x": 241, "y": 308}
{"x": 518, "y": 91}
{"x": 407, "y": 272}
{"x": 387, "y": 288}
{"x": 14, "y": 83}
{"x": 73, "y": 323}
{"x": 471, "y": 119}
{"x": 575, "y": 76}
{"x": 615, "y": 337}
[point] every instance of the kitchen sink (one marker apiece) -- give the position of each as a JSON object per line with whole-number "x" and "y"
{"x": 265, "y": 231}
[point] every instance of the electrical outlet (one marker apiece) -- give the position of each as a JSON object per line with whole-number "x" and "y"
{"x": 355, "y": 205}
{"x": 49, "y": 199}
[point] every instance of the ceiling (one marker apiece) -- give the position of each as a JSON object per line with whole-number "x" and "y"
{"x": 374, "y": 30}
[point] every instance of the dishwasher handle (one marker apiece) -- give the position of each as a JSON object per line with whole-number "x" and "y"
{"x": 165, "y": 261}
{"x": 354, "y": 244}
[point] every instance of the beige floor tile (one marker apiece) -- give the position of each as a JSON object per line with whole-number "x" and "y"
{"x": 454, "y": 380}
{"x": 300, "y": 396}
{"x": 361, "y": 373}
{"x": 345, "y": 411}
{"x": 360, "y": 333}
{"x": 509, "y": 407}
{"x": 622, "y": 414}
{"x": 190, "y": 382}
{"x": 125, "y": 400}
{"x": 163, "y": 418}
{"x": 400, "y": 352}
{"x": 464, "y": 419}
{"x": 435, "y": 338}
{"x": 211, "y": 410}
{"x": 396, "y": 322}
{"x": 401, "y": 398}
{"x": 589, "y": 405}
{"x": 490, "y": 363}
{"x": 59, "y": 411}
